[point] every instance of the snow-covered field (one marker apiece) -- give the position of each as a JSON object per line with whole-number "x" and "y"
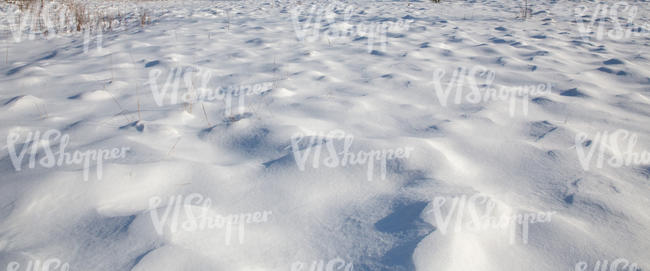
{"x": 349, "y": 135}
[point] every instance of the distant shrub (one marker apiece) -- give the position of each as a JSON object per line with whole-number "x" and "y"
{"x": 47, "y": 16}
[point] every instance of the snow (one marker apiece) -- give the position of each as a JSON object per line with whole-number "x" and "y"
{"x": 421, "y": 125}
